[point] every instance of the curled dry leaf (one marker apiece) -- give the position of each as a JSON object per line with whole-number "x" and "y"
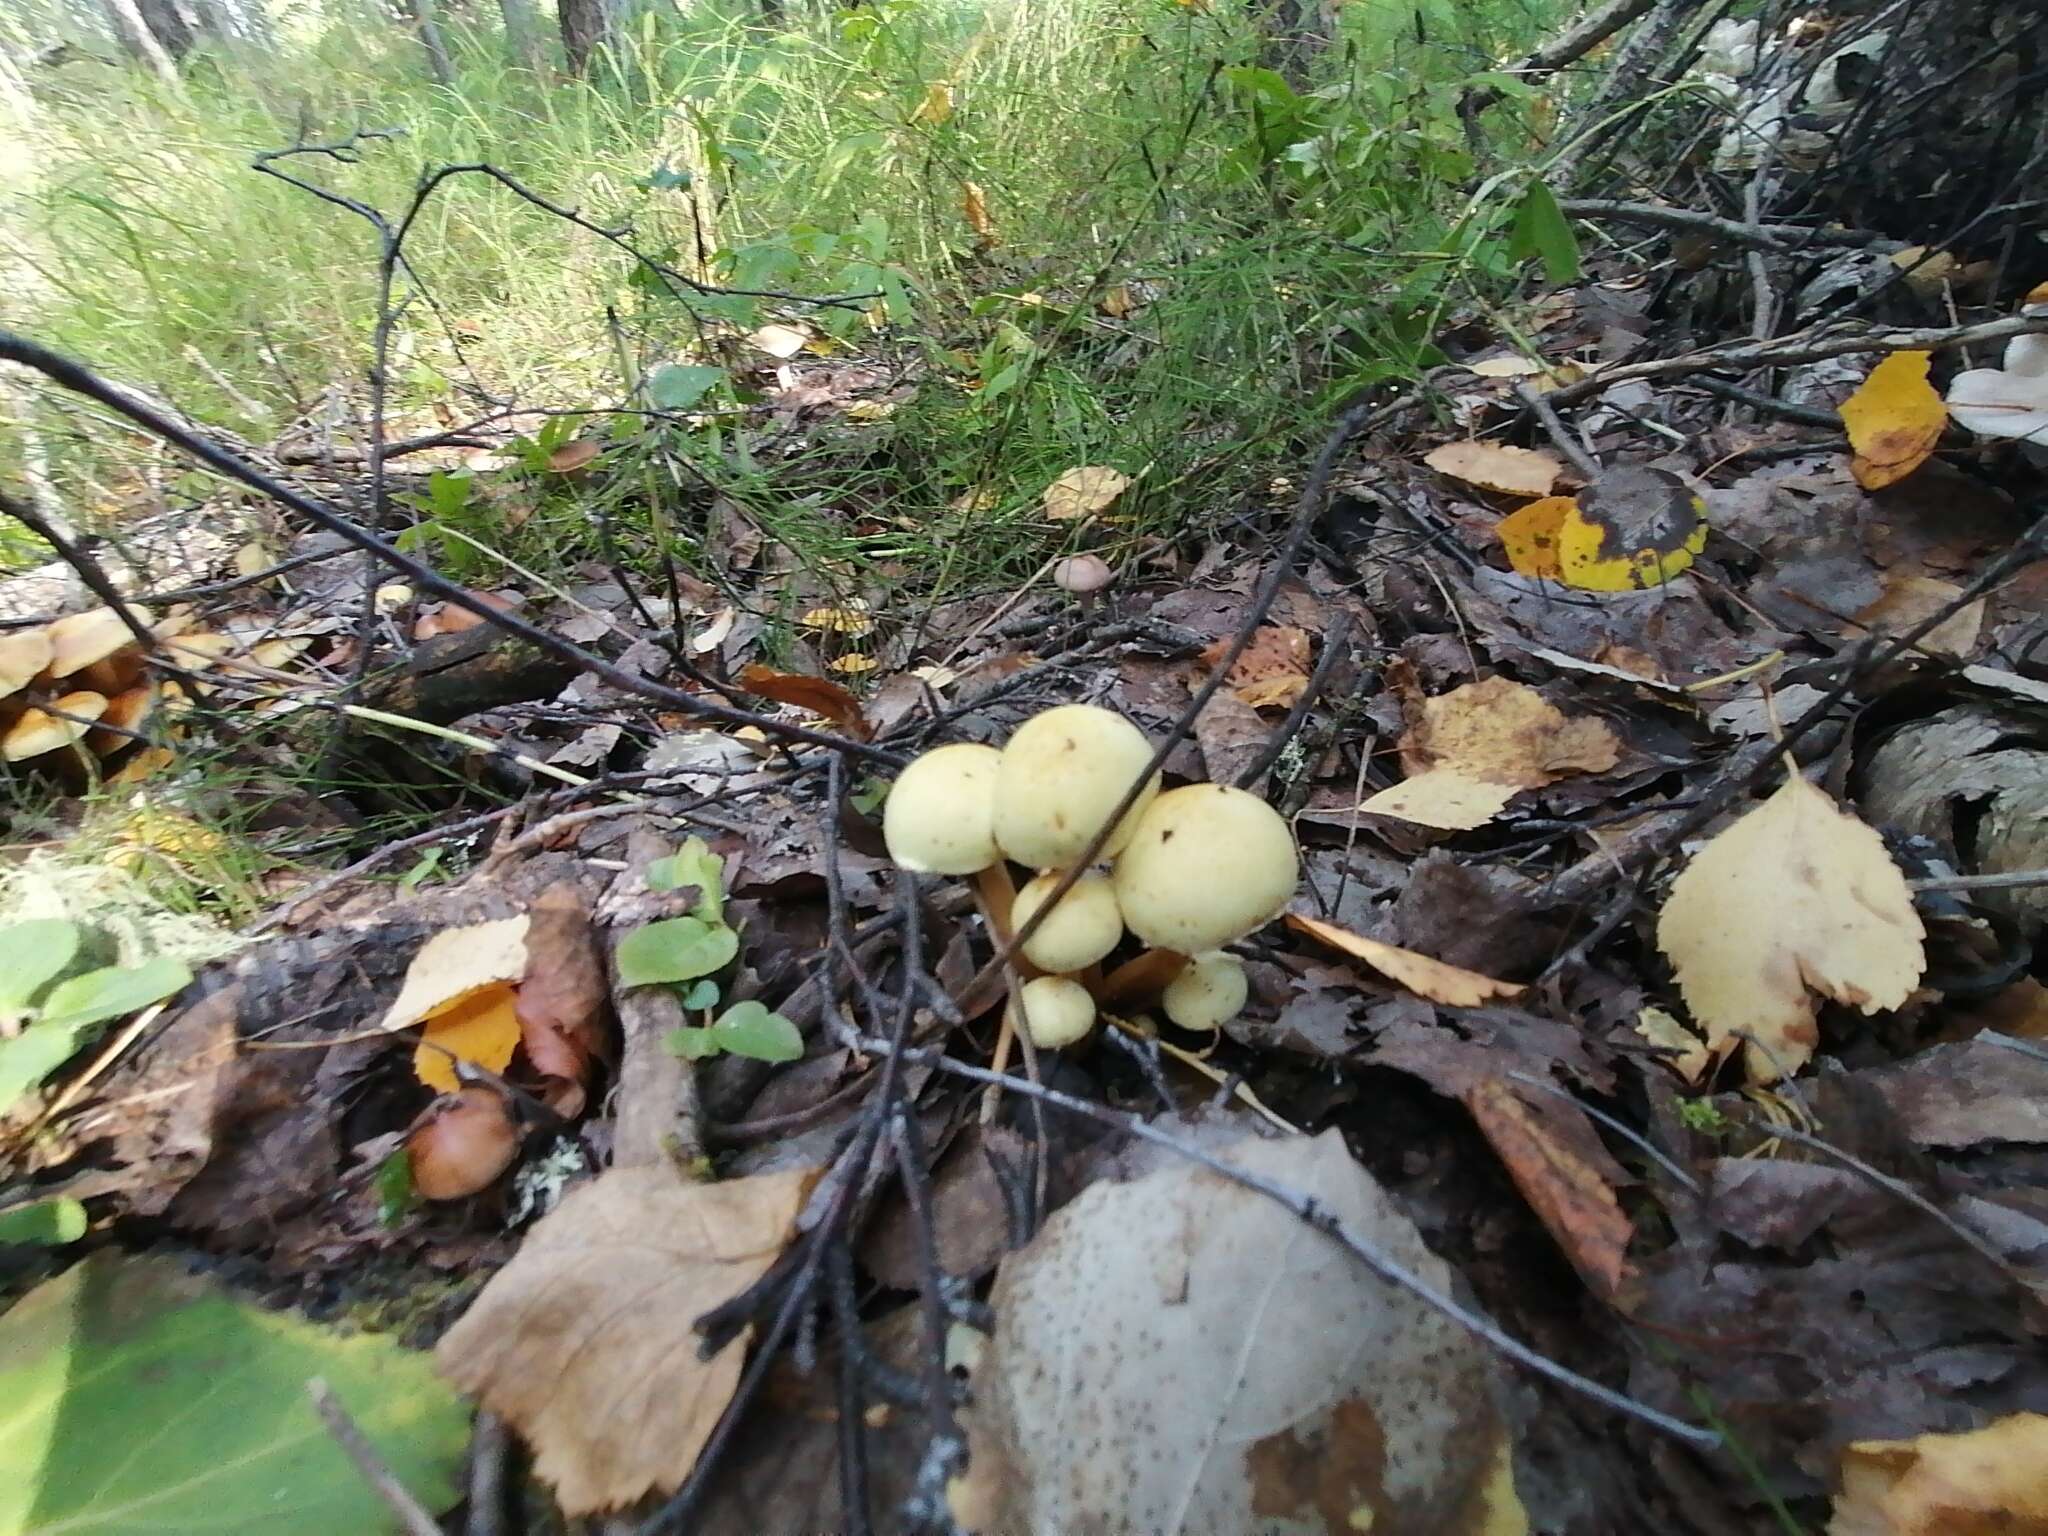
{"x": 464, "y": 976}
{"x": 1273, "y": 671}
{"x": 1084, "y": 492}
{"x": 1181, "y": 1356}
{"x": 1894, "y": 419}
{"x": 1689, "y": 1057}
{"x": 820, "y": 695}
{"x": 1497, "y": 467}
{"x": 974, "y": 207}
{"x": 481, "y": 1028}
{"x": 586, "y": 1342}
{"x": 1505, "y": 733}
{"x": 1451, "y": 985}
{"x": 1909, "y": 601}
{"x": 462, "y": 1143}
{"x": 1798, "y": 897}
{"x": 562, "y": 993}
{"x": 1566, "y": 1192}
{"x": 1989, "y": 1482}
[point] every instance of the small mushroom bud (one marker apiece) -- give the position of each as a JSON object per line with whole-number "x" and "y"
{"x": 1207, "y": 994}
{"x": 461, "y": 1144}
{"x": 1083, "y": 575}
{"x": 1062, "y": 775}
{"x": 392, "y": 596}
{"x": 1057, "y": 1011}
{"x": 1083, "y": 928}
{"x": 937, "y": 820}
{"x": 1206, "y": 865}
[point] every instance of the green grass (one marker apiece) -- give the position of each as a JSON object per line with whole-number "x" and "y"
{"x": 1292, "y": 249}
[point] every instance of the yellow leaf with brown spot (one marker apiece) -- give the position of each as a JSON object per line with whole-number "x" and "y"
{"x": 1273, "y": 671}
{"x": 482, "y": 1028}
{"x": 1796, "y": 898}
{"x": 1451, "y": 985}
{"x": 1894, "y": 420}
{"x": 1497, "y": 467}
{"x": 1530, "y": 536}
{"x": 1632, "y": 529}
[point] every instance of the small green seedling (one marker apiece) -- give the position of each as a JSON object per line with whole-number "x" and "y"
{"x": 45, "y": 1020}
{"x": 685, "y": 952}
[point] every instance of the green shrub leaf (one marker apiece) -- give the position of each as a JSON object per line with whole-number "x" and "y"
{"x": 679, "y": 949}
{"x": 46, "y": 1224}
{"x": 31, "y": 956}
{"x": 750, "y": 1029}
{"x": 143, "y": 1399}
{"x": 678, "y": 386}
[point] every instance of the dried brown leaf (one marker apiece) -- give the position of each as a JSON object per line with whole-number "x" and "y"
{"x": 1504, "y": 732}
{"x": 1451, "y": 985}
{"x": 1568, "y": 1195}
{"x": 585, "y": 1343}
{"x": 820, "y": 695}
{"x": 1497, "y": 467}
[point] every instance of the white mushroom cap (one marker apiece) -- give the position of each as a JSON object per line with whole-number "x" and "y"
{"x": 1083, "y": 928}
{"x": 1208, "y": 864}
{"x": 1057, "y": 1011}
{"x": 1207, "y": 994}
{"x": 1062, "y": 775}
{"x": 937, "y": 818}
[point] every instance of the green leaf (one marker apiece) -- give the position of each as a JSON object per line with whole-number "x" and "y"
{"x": 701, "y": 994}
{"x": 665, "y": 178}
{"x": 680, "y": 949}
{"x": 868, "y": 795}
{"x": 113, "y": 990}
{"x": 692, "y": 1043}
{"x": 678, "y": 386}
{"x": 693, "y": 864}
{"x": 396, "y": 1196}
{"x": 142, "y": 1399}
{"x": 31, "y": 956}
{"x": 46, "y": 1224}
{"x": 32, "y": 1056}
{"x": 428, "y": 863}
{"x": 750, "y": 1029}
{"x": 1541, "y": 229}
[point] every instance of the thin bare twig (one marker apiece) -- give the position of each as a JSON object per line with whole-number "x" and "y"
{"x": 412, "y": 1519}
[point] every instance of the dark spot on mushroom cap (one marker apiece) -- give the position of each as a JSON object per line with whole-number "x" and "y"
{"x": 1166, "y": 836}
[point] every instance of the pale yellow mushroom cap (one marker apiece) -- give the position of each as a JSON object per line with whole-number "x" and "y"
{"x": 1079, "y": 931}
{"x": 1057, "y": 1011}
{"x": 1062, "y": 775}
{"x": 937, "y": 818}
{"x": 1206, "y": 865}
{"x": 1207, "y": 993}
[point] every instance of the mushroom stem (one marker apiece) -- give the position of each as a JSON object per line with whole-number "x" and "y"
{"x": 1144, "y": 977}
{"x": 995, "y": 893}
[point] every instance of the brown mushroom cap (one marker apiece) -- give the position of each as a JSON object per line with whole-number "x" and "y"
{"x": 22, "y": 656}
{"x": 39, "y": 731}
{"x": 126, "y": 710}
{"x": 79, "y": 640}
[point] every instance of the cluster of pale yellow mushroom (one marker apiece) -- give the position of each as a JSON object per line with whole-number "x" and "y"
{"x": 1185, "y": 871}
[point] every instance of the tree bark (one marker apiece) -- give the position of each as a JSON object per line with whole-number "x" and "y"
{"x": 132, "y": 26}
{"x": 586, "y": 27}
{"x": 438, "y": 63}
{"x": 1293, "y": 35}
{"x": 522, "y": 35}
